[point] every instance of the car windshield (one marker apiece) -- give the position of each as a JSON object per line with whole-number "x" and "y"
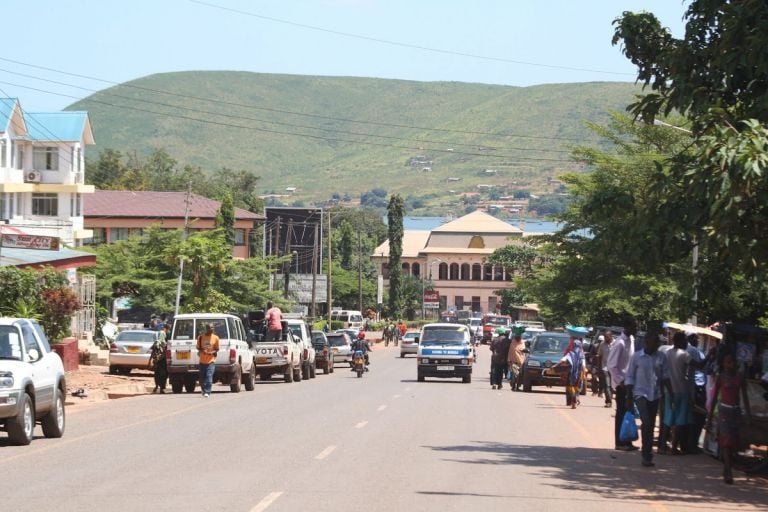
{"x": 129, "y": 336}
{"x": 497, "y": 320}
{"x": 410, "y": 335}
{"x": 474, "y": 322}
{"x": 550, "y": 344}
{"x": 442, "y": 336}
{"x": 337, "y": 340}
{"x": 296, "y": 330}
{"x": 10, "y": 343}
{"x": 318, "y": 337}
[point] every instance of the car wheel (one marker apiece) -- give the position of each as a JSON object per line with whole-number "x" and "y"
{"x": 53, "y": 422}
{"x": 305, "y": 371}
{"x": 402, "y": 355}
{"x": 333, "y": 363}
{"x": 313, "y": 370}
{"x": 22, "y": 426}
{"x": 419, "y": 377}
{"x": 113, "y": 370}
{"x": 250, "y": 379}
{"x": 177, "y": 385}
{"x": 288, "y": 377}
{"x": 297, "y": 374}
{"x": 467, "y": 379}
{"x": 234, "y": 384}
{"x": 190, "y": 381}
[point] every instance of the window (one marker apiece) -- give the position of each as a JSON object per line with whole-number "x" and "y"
{"x": 454, "y": 271}
{"x": 116, "y": 234}
{"x": 6, "y": 205}
{"x": 99, "y": 237}
{"x": 475, "y": 303}
{"x": 492, "y": 303}
{"x": 465, "y": 272}
{"x": 476, "y": 272}
{"x": 239, "y": 237}
{"x": 19, "y": 208}
{"x": 416, "y": 270}
{"x": 45, "y": 205}
{"x": 459, "y": 302}
{"x": 3, "y": 156}
{"x": 442, "y": 271}
{"x": 75, "y": 205}
{"x": 406, "y": 269}
{"x": 20, "y": 163}
{"x": 487, "y": 272}
{"x": 45, "y": 158}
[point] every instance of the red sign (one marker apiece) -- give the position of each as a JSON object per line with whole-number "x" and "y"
{"x": 45, "y": 243}
{"x": 431, "y": 298}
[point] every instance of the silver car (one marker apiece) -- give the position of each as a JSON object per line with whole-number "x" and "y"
{"x": 341, "y": 346}
{"x": 408, "y": 344}
{"x": 131, "y": 349}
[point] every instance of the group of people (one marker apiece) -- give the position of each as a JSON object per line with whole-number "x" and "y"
{"x": 669, "y": 381}
{"x": 394, "y": 332}
{"x": 507, "y": 358}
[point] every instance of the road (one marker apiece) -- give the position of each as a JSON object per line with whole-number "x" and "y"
{"x": 381, "y": 443}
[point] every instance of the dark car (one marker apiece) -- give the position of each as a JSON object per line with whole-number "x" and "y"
{"x": 546, "y": 350}
{"x": 324, "y": 354}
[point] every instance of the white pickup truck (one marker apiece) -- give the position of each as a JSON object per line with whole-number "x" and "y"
{"x": 283, "y": 356}
{"x": 235, "y": 365}
{"x": 32, "y": 385}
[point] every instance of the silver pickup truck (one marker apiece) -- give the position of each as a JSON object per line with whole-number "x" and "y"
{"x": 235, "y": 365}
{"x": 283, "y": 356}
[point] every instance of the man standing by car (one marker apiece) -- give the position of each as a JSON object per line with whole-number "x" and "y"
{"x": 274, "y": 318}
{"x": 207, "y": 347}
{"x": 618, "y": 362}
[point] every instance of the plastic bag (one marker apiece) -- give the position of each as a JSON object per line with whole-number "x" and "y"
{"x": 628, "y": 431}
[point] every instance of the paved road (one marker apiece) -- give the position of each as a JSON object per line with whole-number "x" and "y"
{"x": 337, "y": 443}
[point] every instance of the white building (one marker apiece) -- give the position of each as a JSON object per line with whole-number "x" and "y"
{"x": 42, "y": 167}
{"x": 453, "y": 256}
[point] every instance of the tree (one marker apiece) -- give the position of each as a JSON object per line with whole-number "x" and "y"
{"x": 345, "y": 247}
{"x": 225, "y": 219}
{"x": 395, "y": 211}
{"x": 716, "y": 76}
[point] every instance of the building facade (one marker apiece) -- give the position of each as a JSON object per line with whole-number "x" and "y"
{"x": 113, "y": 215}
{"x": 453, "y": 258}
{"x": 42, "y": 168}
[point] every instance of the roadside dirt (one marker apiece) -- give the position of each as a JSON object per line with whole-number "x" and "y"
{"x": 91, "y": 378}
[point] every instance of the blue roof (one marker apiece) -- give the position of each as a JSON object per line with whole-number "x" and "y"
{"x": 6, "y": 111}
{"x": 57, "y": 126}
{"x": 15, "y": 257}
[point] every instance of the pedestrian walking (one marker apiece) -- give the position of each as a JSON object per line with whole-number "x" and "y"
{"x": 157, "y": 361}
{"x": 728, "y": 388}
{"x": 575, "y": 359}
{"x": 601, "y": 359}
{"x": 500, "y": 351}
{"x": 618, "y": 362}
{"x": 647, "y": 373}
{"x": 274, "y": 318}
{"x": 207, "y": 348}
{"x": 515, "y": 360}
{"x": 677, "y": 403}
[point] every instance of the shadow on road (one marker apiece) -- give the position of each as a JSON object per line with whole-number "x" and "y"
{"x": 694, "y": 479}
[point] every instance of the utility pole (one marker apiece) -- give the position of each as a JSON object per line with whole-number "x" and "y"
{"x": 359, "y": 272}
{"x": 314, "y": 273}
{"x": 328, "y": 299}
{"x": 181, "y": 259}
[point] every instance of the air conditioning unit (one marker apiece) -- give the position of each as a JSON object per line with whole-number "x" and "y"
{"x": 32, "y": 177}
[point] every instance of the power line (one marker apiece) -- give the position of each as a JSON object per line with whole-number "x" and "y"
{"x": 293, "y": 134}
{"x": 279, "y": 123}
{"x": 280, "y": 111}
{"x": 405, "y": 45}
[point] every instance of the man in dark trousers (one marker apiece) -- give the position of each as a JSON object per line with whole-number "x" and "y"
{"x": 619, "y": 355}
{"x": 500, "y": 351}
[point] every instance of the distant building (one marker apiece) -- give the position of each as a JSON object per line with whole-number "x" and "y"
{"x": 453, "y": 256}
{"x": 114, "y": 215}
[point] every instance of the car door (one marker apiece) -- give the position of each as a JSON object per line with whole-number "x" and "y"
{"x": 41, "y": 364}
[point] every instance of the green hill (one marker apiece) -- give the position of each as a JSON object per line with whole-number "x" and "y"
{"x": 348, "y": 135}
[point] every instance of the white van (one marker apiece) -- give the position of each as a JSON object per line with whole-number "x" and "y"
{"x": 351, "y": 319}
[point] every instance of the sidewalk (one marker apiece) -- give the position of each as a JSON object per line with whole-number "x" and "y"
{"x": 97, "y": 384}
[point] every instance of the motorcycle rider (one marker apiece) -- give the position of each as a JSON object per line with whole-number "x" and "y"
{"x": 362, "y": 345}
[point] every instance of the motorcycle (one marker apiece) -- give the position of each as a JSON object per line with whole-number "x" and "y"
{"x": 359, "y": 363}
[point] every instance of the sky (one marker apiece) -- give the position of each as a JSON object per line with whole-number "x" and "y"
{"x": 56, "y": 52}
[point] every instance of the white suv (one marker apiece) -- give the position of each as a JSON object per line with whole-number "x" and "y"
{"x": 32, "y": 385}
{"x": 301, "y": 331}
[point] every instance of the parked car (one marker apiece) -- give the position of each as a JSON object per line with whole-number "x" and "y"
{"x": 545, "y": 352}
{"x": 352, "y": 333}
{"x": 409, "y": 344}
{"x": 32, "y": 382}
{"x": 301, "y": 332}
{"x": 324, "y": 355}
{"x": 131, "y": 349}
{"x": 341, "y": 346}
{"x": 476, "y": 328}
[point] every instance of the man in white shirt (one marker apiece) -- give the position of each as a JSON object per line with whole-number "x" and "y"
{"x": 647, "y": 372}
{"x": 619, "y": 355}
